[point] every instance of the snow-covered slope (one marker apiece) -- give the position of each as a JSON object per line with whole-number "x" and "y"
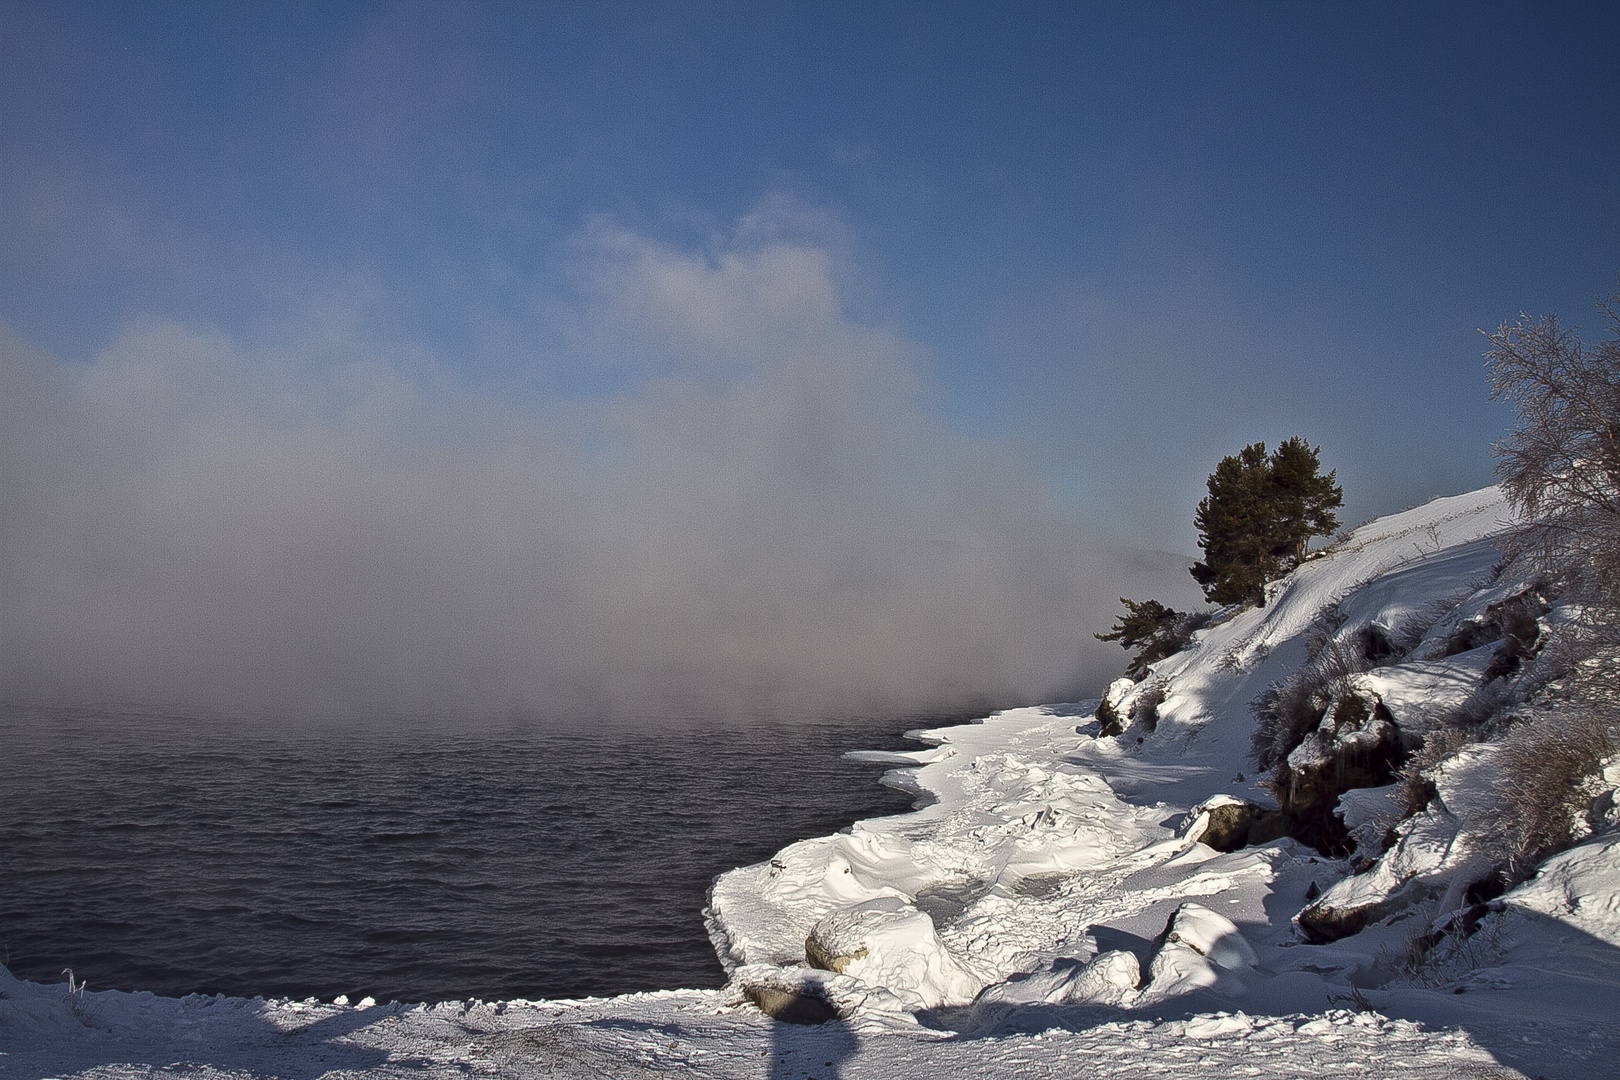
{"x": 1063, "y": 868}
{"x": 1054, "y": 908}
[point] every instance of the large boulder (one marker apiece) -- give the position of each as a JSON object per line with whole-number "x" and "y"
{"x": 1199, "y": 949}
{"x": 1227, "y": 823}
{"x": 1211, "y": 935}
{"x": 790, "y": 1005}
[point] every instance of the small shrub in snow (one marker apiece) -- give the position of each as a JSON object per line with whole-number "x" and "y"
{"x": 1108, "y": 716}
{"x": 1433, "y": 956}
{"x": 1288, "y": 711}
{"x": 1415, "y": 788}
{"x": 1145, "y": 710}
{"x": 1580, "y": 662}
{"x": 1284, "y": 714}
{"x": 1486, "y": 712}
{"x": 1546, "y": 767}
{"x": 1409, "y": 631}
{"x": 75, "y": 998}
{"x": 1353, "y": 999}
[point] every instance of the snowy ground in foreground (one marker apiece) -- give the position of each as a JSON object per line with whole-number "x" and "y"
{"x": 698, "y": 1033}
{"x": 1016, "y": 926}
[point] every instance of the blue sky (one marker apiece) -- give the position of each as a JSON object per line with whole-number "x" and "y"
{"x": 1096, "y": 247}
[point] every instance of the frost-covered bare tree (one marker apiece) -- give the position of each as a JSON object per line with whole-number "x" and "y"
{"x": 1560, "y": 465}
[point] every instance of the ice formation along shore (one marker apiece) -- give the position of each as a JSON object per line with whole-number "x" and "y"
{"x": 1053, "y": 909}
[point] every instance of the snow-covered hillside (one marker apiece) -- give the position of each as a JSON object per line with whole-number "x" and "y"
{"x": 1072, "y": 904}
{"x": 1061, "y": 868}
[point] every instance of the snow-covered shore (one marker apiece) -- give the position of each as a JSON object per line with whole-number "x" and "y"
{"x": 1052, "y": 911}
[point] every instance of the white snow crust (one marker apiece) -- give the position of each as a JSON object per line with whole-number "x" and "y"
{"x": 1050, "y": 910}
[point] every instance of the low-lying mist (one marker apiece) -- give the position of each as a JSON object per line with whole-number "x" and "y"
{"x": 755, "y": 511}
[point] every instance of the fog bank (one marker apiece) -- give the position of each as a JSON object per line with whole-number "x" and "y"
{"x": 755, "y": 510}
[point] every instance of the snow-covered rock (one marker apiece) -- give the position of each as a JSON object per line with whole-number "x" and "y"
{"x": 1580, "y": 887}
{"x": 1224, "y": 822}
{"x": 1370, "y": 815}
{"x": 1118, "y": 691}
{"x": 1211, "y": 935}
{"x": 1108, "y": 979}
{"x": 886, "y": 942}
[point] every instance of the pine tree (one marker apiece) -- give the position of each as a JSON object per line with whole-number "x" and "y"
{"x": 1261, "y": 512}
{"x": 1154, "y": 631}
{"x": 1231, "y": 523}
{"x": 1303, "y": 499}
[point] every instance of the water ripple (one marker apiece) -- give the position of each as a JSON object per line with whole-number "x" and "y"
{"x": 178, "y": 856}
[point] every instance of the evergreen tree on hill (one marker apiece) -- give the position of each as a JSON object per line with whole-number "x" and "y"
{"x": 1261, "y": 512}
{"x": 1154, "y": 631}
{"x": 1304, "y": 500}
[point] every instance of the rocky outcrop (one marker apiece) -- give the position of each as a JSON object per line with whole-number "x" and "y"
{"x": 1110, "y": 718}
{"x": 1227, "y": 823}
{"x": 1357, "y": 745}
{"x": 1433, "y": 858}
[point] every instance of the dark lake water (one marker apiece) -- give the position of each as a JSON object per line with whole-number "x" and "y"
{"x": 403, "y": 861}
